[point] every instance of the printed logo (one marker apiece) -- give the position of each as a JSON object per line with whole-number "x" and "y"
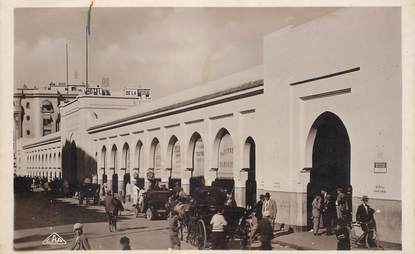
{"x": 54, "y": 239}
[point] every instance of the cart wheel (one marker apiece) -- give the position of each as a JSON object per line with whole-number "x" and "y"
{"x": 149, "y": 214}
{"x": 201, "y": 235}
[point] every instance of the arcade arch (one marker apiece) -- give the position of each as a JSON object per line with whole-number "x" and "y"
{"x": 196, "y": 155}
{"x": 223, "y": 156}
{"x": 174, "y": 161}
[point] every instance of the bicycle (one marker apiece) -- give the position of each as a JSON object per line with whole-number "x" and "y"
{"x": 366, "y": 239}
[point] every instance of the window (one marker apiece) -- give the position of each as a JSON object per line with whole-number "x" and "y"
{"x": 28, "y": 132}
{"x": 28, "y": 118}
{"x": 27, "y": 105}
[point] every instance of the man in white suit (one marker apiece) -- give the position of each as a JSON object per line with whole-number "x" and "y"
{"x": 269, "y": 208}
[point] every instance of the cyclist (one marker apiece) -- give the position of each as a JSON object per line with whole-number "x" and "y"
{"x": 364, "y": 216}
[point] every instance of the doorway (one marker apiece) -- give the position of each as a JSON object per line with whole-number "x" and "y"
{"x": 330, "y": 158}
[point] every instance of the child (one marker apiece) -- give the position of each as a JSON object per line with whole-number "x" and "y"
{"x": 125, "y": 243}
{"x": 174, "y": 230}
{"x": 81, "y": 241}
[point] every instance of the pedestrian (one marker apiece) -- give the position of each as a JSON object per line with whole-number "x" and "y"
{"x": 230, "y": 201}
{"x": 253, "y": 225}
{"x": 218, "y": 223}
{"x": 266, "y": 232}
{"x": 326, "y": 212}
{"x": 118, "y": 206}
{"x": 270, "y": 207}
{"x": 105, "y": 189}
{"x": 258, "y": 207}
{"x": 125, "y": 243}
{"x": 110, "y": 209}
{"x": 348, "y": 209}
{"x": 81, "y": 241}
{"x": 340, "y": 204}
{"x": 128, "y": 192}
{"x": 174, "y": 230}
{"x": 365, "y": 216}
{"x": 342, "y": 235}
{"x": 316, "y": 205}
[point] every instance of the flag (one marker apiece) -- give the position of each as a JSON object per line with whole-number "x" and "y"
{"x": 88, "y": 25}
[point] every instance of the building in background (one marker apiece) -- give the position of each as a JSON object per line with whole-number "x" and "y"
{"x": 323, "y": 110}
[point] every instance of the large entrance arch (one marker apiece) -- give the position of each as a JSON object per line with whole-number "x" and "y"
{"x": 328, "y": 150}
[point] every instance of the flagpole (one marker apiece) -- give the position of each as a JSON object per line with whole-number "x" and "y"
{"x": 67, "y": 75}
{"x": 86, "y": 57}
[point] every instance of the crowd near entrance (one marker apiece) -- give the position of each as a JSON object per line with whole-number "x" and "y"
{"x": 329, "y": 145}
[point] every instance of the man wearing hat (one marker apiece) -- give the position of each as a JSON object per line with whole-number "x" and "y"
{"x": 340, "y": 204}
{"x": 266, "y": 232}
{"x": 258, "y": 207}
{"x": 364, "y": 215}
{"x": 269, "y": 208}
{"x": 81, "y": 241}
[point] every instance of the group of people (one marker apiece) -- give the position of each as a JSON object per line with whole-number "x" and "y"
{"x": 330, "y": 213}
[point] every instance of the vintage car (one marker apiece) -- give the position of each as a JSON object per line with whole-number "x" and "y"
{"x": 89, "y": 192}
{"x": 154, "y": 204}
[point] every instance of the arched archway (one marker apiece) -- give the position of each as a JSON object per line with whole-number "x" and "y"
{"x": 114, "y": 169}
{"x": 126, "y": 166}
{"x": 174, "y": 161}
{"x": 196, "y": 154}
{"x": 139, "y": 164}
{"x": 328, "y": 150}
{"x": 223, "y": 147}
{"x": 104, "y": 165}
{"x": 250, "y": 167}
{"x": 155, "y": 160}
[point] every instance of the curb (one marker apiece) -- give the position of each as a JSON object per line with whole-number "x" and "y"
{"x": 292, "y": 245}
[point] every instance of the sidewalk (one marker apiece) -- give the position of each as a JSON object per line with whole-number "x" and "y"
{"x": 305, "y": 240}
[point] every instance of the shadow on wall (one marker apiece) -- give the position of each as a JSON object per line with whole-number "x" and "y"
{"x": 77, "y": 164}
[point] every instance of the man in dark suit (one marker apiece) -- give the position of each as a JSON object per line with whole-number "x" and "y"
{"x": 258, "y": 207}
{"x": 364, "y": 215}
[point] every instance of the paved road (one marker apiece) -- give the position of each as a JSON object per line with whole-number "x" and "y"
{"x": 37, "y": 216}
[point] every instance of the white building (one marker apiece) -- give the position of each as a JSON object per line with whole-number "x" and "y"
{"x": 323, "y": 110}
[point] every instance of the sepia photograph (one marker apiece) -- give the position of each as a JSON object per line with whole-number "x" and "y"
{"x": 207, "y": 128}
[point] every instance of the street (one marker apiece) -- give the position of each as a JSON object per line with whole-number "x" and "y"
{"x": 36, "y": 217}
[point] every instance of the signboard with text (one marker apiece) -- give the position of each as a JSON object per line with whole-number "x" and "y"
{"x": 380, "y": 167}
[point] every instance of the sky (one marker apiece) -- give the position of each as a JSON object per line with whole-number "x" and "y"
{"x": 164, "y": 49}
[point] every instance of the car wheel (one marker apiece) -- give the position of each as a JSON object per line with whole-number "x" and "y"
{"x": 149, "y": 214}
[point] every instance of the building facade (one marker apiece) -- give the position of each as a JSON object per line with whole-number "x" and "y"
{"x": 322, "y": 111}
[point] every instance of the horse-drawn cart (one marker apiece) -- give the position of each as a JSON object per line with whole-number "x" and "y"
{"x": 205, "y": 202}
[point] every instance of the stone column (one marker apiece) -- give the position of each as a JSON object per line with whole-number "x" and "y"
{"x": 186, "y": 185}
{"x": 240, "y": 188}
